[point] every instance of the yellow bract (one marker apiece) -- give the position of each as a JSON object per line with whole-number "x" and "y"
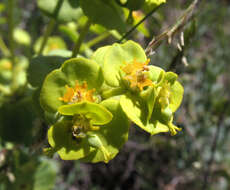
{"x": 135, "y": 74}
{"x": 78, "y": 94}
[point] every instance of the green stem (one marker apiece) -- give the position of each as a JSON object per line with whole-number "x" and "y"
{"x": 98, "y": 39}
{"x": 113, "y": 92}
{"x": 81, "y": 38}
{"x": 48, "y": 31}
{"x": 95, "y": 41}
{"x": 11, "y": 4}
{"x": 50, "y": 26}
{"x": 3, "y": 47}
{"x": 141, "y": 21}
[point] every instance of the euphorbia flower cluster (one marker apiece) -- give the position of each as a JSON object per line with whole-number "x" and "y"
{"x": 97, "y": 98}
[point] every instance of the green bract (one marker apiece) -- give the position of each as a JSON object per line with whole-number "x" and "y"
{"x": 112, "y": 136}
{"x": 95, "y": 98}
{"x": 99, "y": 116}
{"x": 76, "y": 69}
{"x": 116, "y": 56}
{"x": 149, "y": 95}
{"x": 80, "y": 137}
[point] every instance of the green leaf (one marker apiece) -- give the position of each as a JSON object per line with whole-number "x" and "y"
{"x": 70, "y": 30}
{"x": 112, "y": 136}
{"x": 20, "y": 75}
{"x": 49, "y": 117}
{"x": 149, "y": 97}
{"x": 79, "y": 69}
{"x": 45, "y": 175}
{"x": 132, "y": 4}
{"x": 157, "y": 127}
{"x": 116, "y": 56}
{"x": 61, "y": 139}
{"x": 136, "y": 110}
{"x": 161, "y": 115}
{"x": 40, "y": 66}
{"x": 31, "y": 172}
{"x": 155, "y": 73}
{"x": 53, "y": 43}
{"x": 105, "y": 13}
{"x": 16, "y": 121}
{"x": 21, "y": 37}
{"x": 170, "y": 77}
{"x": 69, "y": 11}
{"x": 96, "y": 142}
{"x": 97, "y": 114}
{"x": 176, "y": 97}
{"x": 99, "y": 54}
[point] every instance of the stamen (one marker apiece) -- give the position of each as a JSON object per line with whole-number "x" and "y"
{"x": 81, "y": 125}
{"x": 78, "y": 93}
{"x": 136, "y": 74}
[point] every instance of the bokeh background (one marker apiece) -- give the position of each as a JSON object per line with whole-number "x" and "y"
{"x": 196, "y": 158}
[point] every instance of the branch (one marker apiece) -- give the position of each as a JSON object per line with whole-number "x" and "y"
{"x": 170, "y": 32}
{"x": 141, "y": 21}
{"x": 50, "y": 26}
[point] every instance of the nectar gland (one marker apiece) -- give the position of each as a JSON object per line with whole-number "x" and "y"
{"x": 136, "y": 74}
{"x": 78, "y": 94}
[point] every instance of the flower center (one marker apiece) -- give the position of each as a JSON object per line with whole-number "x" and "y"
{"x": 78, "y": 93}
{"x": 136, "y": 74}
{"x": 81, "y": 125}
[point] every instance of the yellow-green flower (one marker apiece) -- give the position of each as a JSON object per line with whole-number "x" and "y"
{"x": 78, "y": 93}
{"x": 135, "y": 74}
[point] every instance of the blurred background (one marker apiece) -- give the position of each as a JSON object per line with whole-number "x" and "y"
{"x": 196, "y": 158}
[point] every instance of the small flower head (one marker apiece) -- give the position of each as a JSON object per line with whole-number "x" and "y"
{"x": 81, "y": 125}
{"x": 78, "y": 93}
{"x": 136, "y": 74}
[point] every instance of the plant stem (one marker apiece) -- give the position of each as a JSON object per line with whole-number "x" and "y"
{"x": 81, "y": 38}
{"x": 50, "y": 26}
{"x": 11, "y": 4}
{"x": 98, "y": 39}
{"x": 94, "y": 41}
{"x": 48, "y": 31}
{"x": 113, "y": 92}
{"x": 3, "y": 47}
{"x": 168, "y": 33}
{"x": 141, "y": 21}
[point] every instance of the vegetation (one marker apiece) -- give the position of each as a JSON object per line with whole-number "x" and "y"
{"x": 91, "y": 94}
